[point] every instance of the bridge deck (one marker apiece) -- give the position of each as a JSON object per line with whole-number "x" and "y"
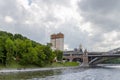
{"x": 105, "y": 55}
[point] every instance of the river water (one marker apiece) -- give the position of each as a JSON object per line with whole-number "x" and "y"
{"x": 99, "y": 73}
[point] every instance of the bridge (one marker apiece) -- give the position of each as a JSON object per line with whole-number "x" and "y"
{"x": 91, "y": 58}
{"x": 73, "y": 56}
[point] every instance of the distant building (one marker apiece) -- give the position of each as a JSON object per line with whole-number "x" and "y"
{"x": 57, "y": 41}
{"x": 75, "y": 51}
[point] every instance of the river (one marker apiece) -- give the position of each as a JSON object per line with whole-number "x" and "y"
{"x": 98, "y": 73}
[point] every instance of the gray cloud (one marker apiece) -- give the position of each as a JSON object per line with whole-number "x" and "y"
{"x": 37, "y": 19}
{"x": 104, "y": 17}
{"x": 102, "y": 13}
{"x": 54, "y": 2}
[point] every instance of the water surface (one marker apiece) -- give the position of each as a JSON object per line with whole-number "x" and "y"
{"x": 101, "y": 73}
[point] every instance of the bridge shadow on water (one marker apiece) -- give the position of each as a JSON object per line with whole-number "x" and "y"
{"x": 105, "y": 66}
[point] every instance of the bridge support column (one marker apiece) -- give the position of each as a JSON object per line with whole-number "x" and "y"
{"x": 70, "y": 58}
{"x": 85, "y": 59}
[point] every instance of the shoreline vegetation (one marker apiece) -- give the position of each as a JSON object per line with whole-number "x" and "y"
{"x": 27, "y": 68}
{"x": 17, "y": 50}
{"x": 53, "y": 65}
{"x": 33, "y": 69}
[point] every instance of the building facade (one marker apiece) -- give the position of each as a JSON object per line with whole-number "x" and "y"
{"x": 57, "y": 41}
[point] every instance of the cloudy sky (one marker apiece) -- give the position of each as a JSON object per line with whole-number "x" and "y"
{"x": 93, "y": 23}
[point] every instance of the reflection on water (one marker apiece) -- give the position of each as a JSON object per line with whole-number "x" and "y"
{"x": 66, "y": 74}
{"x": 27, "y": 75}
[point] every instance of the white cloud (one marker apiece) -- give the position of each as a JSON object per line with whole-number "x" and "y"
{"x": 111, "y": 36}
{"x": 66, "y": 47}
{"x": 8, "y": 19}
{"x": 82, "y": 21}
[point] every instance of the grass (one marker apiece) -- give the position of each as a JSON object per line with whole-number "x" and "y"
{"x": 65, "y": 64}
{"x": 113, "y": 61}
{"x": 12, "y": 66}
{"x": 71, "y": 64}
{"x": 15, "y": 65}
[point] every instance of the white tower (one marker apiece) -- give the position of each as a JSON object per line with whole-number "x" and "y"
{"x": 57, "y": 41}
{"x": 53, "y": 41}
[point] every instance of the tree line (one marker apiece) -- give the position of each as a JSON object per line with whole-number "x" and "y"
{"x": 19, "y": 49}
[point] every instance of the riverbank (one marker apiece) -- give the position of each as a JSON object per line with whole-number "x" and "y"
{"x": 63, "y": 64}
{"x": 33, "y": 69}
{"x": 53, "y": 66}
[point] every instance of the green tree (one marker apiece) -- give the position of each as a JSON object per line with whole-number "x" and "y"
{"x": 2, "y": 50}
{"x": 59, "y": 55}
{"x": 30, "y": 57}
{"x": 23, "y": 50}
{"x": 9, "y": 45}
{"x": 41, "y": 56}
{"x": 49, "y": 54}
{"x": 19, "y": 36}
{"x": 18, "y": 49}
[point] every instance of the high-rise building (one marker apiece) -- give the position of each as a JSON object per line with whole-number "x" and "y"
{"x": 57, "y": 41}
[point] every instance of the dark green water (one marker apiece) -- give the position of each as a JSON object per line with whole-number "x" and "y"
{"x": 106, "y": 73}
{"x": 27, "y": 75}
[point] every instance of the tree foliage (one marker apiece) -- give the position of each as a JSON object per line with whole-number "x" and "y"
{"x": 24, "y": 51}
{"x": 59, "y": 55}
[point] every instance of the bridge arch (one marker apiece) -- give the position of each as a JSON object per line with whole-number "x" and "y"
{"x": 66, "y": 59}
{"x": 77, "y": 59}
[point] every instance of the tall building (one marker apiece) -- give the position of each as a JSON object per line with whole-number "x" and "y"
{"x": 57, "y": 41}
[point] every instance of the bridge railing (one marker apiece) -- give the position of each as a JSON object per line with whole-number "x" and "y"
{"x": 72, "y": 54}
{"x": 114, "y": 52}
{"x": 76, "y": 54}
{"x": 66, "y": 54}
